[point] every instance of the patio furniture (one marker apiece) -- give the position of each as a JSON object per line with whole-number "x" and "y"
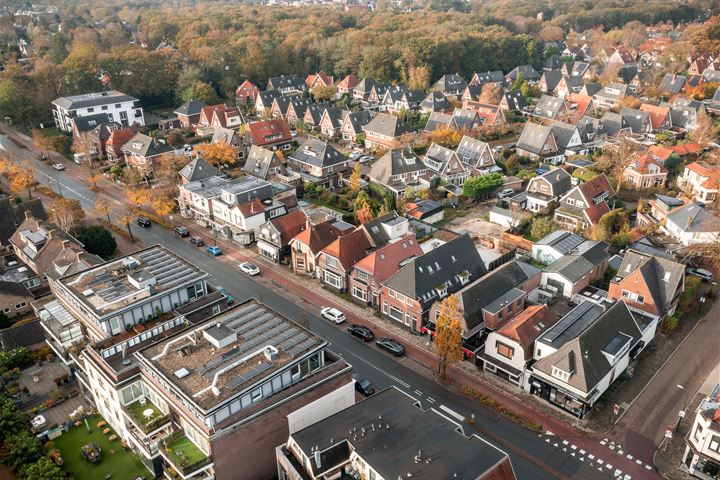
{"x": 91, "y": 452}
{"x": 148, "y": 412}
{"x": 143, "y": 401}
{"x": 38, "y": 422}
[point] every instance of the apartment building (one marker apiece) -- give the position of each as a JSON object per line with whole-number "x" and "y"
{"x": 702, "y": 453}
{"x": 118, "y": 107}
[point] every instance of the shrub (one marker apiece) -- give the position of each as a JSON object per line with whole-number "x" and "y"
{"x": 16, "y": 358}
{"x": 482, "y": 399}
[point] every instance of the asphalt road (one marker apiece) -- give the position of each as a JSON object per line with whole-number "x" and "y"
{"x": 533, "y": 456}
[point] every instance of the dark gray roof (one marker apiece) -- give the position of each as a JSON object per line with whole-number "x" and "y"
{"x": 267, "y": 97}
{"x": 193, "y": 107}
{"x": 611, "y": 123}
{"x": 438, "y": 154}
{"x": 13, "y": 214}
{"x": 549, "y": 106}
{"x": 317, "y": 153}
{"x": 515, "y": 100}
{"x": 394, "y": 430}
{"x": 336, "y": 115}
{"x": 672, "y": 83}
{"x": 587, "y": 356}
{"x": 365, "y": 85}
{"x": 561, "y": 240}
{"x": 360, "y": 119}
{"x": 591, "y": 88}
{"x": 286, "y": 81}
{"x": 437, "y": 120}
{"x": 198, "y": 169}
{"x": 388, "y": 125}
{"x": 711, "y": 76}
{"x": 563, "y": 133}
{"x": 482, "y": 292}
{"x": 464, "y": 119}
{"x": 580, "y": 260}
{"x": 614, "y": 91}
{"x": 694, "y": 218}
{"x": 635, "y": 119}
{"x": 258, "y": 161}
{"x": 527, "y": 71}
{"x": 682, "y": 116}
{"x": 533, "y": 137}
{"x": 92, "y": 100}
{"x": 373, "y": 228}
{"x": 420, "y": 278}
{"x": 470, "y": 149}
{"x": 283, "y": 102}
{"x": 316, "y": 110}
{"x": 145, "y": 146}
{"x": 554, "y": 62}
{"x": 662, "y": 276}
{"x": 496, "y": 76}
{"x": 450, "y": 83}
{"x": 552, "y": 78}
{"x": 90, "y": 122}
{"x": 395, "y": 162}
{"x": 473, "y": 91}
{"x": 435, "y": 101}
{"x": 24, "y": 335}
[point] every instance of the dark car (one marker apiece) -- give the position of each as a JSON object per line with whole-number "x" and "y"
{"x": 197, "y": 241}
{"x": 364, "y": 386}
{"x": 390, "y": 345}
{"x": 181, "y": 231}
{"x": 144, "y": 222}
{"x": 361, "y": 332}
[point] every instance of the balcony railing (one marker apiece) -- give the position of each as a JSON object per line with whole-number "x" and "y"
{"x": 147, "y": 417}
{"x": 184, "y": 456}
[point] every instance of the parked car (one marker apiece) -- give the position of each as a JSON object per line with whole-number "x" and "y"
{"x": 508, "y": 192}
{"x": 361, "y": 332}
{"x": 249, "y": 268}
{"x": 181, "y": 232}
{"x": 354, "y": 155}
{"x": 390, "y": 345}
{"x": 366, "y": 159}
{"x": 363, "y": 385}
{"x": 332, "y": 314}
{"x": 214, "y": 251}
{"x": 699, "y": 272}
{"x": 58, "y": 166}
{"x": 197, "y": 241}
{"x": 540, "y": 171}
{"x": 143, "y": 222}
{"x": 224, "y": 293}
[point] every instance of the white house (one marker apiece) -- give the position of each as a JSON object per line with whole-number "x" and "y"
{"x": 703, "y": 180}
{"x": 692, "y": 224}
{"x": 120, "y": 108}
{"x": 702, "y": 452}
{"x": 555, "y": 245}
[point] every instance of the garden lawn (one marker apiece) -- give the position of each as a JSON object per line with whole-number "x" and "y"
{"x": 121, "y": 464}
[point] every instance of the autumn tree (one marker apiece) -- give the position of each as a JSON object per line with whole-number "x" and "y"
{"x": 126, "y": 216}
{"x": 103, "y": 207}
{"x": 610, "y": 73}
{"x": 200, "y": 91}
{"x": 542, "y": 226}
{"x": 448, "y": 335}
{"x": 324, "y": 93}
{"x": 418, "y": 78}
{"x": 446, "y": 136}
{"x": 355, "y": 178}
{"x": 163, "y": 204}
{"x": 219, "y": 153}
{"x": 363, "y": 209}
{"x": 42, "y": 142}
{"x": 705, "y": 129}
{"x": 66, "y": 213}
{"x": 21, "y": 178}
{"x": 491, "y": 93}
{"x": 138, "y": 196}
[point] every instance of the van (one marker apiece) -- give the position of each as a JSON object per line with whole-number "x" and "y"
{"x": 80, "y": 158}
{"x": 508, "y": 192}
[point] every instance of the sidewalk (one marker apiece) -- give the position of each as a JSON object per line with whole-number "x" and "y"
{"x": 309, "y": 292}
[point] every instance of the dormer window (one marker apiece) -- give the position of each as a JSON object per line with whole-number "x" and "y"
{"x": 441, "y": 290}
{"x": 560, "y": 374}
{"x": 464, "y": 277}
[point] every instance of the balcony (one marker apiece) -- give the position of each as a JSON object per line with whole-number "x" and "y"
{"x": 183, "y": 455}
{"x": 147, "y": 417}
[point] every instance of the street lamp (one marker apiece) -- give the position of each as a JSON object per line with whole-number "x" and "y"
{"x": 700, "y": 305}
{"x": 171, "y": 221}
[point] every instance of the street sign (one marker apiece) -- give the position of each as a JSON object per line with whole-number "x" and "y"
{"x": 668, "y": 433}
{"x": 616, "y": 409}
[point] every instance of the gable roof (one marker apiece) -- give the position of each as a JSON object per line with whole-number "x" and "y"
{"x": 365, "y": 85}
{"x": 145, "y": 146}
{"x": 388, "y": 259}
{"x": 561, "y": 240}
{"x": 662, "y": 276}
{"x": 636, "y": 119}
{"x": 643, "y": 162}
{"x": 533, "y": 137}
{"x": 496, "y": 76}
{"x": 528, "y": 325}
{"x": 193, "y": 107}
{"x": 563, "y": 132}
{"x": 442, "y": 266}
{"x": 437, "y": 120}
{"x": 89, "y": 122}
{"x": 349, "y": 249}
{"x": 658, "y": 114}
{"x": 375, "y": 228}
{"x": 286, "y": 81}
{"x": 290, "y": 225}
{"x": 470, "y": 151}
{"x": 549, "y": 106}
{"x": 515, "y": 100}
{"x": 258, "y": 161}
{"x": 449, "y": 83}
{"x": 318, "y": 236}
{"x": 387, "y": 125}
{"x": 586, "y": 355}
{"x": 672, "y": 83}
{"x": 317, "y": 153}
{"x": 198, "y": 169}
{"x": 397, "y": 161}
{"x": 436, "y": 101}
{"x": 349, "y": 82}
{"x": 266, "y": 132}
{"x": 694, "y": 218}
{"x": 595, "y": 187}
{"x": 527, "y": 71}
{"x": 438, "y": 154}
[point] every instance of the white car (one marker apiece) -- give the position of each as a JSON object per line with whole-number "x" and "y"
{"x": 366, "y": 159}
{"x": 508, "y": 192}
{"x": 333, "y": 314}
{"x": 699, "y": 272}
{"x": 58, "y": 166}
{"x": 249, "y": 268}
{"x": 354, "y": 155}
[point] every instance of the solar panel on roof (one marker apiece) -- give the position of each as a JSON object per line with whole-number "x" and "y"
{"x": 254, "y": 372}
{"x": 302, "y": 347}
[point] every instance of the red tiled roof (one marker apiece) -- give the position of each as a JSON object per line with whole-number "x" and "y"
{"x": 644, "y": 160}
{"x": 690, "y": 148}
{"x": 660, "y": 152}
{"x": 251, "y": 208}
{"x": 658, "y": 114}
{"x": 247, "y": 85}
{"x": 704, "y": 170}
{"x": 290, "y": 225}
{"x": 596, "y": 186}
{"x": 384, "y": 262}
{"x": 118, "y": 138}
{"x": 319, "y": 236}
{"x": 349, "y": 82}
{"x": 582, "y": 102}
{"x": 263, "y": 131}
{"x": 595, "y": 212}
{"x": 326, "y": 79}
{"x": 349, "y": 249}
{"x": 529, "y": 325}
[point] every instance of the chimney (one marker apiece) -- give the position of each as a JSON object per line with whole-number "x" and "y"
{"x": 317, "y": 458}
{"x": 28, "y": 214}
{"x": 79, "y": 255}
{"x": 65, "y": 244}
{"x": 50, "y": 233}
{"x": 689, "y": 222}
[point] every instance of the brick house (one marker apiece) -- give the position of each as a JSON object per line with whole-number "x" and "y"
{"x": 143, "y": 152}
{"x": 645, "y": 171}
{"x": 585, "y": 204}
{"x": 353, "y": 123}
{"x": 537, "y": 142}
{"x": 398, "y": 170}
{"x": 189, "y": 113}
{"x": 649, "y": 284}
{"x": 115, "y": 142}
{"x": 321, "y": 79}
{"x": 347, "y": 85}
{"x": 366, "y": 277}
{"x": 408, "y": 296}
{"x": 331, "y": 121}
{"x": 272, "y": 134}
{"x": 307, "y": 245}
{"x": 318, "y": 162}
{"x": 287, "y": 85}
{"x": 660, "y": 117}
{"x": 15, "y": 299}
{"x": 337, "y": 259}
{"x": 245, "y": 94}
{"x": 385, "y": 131}
{"x": 263, "y": 163}
{"x": 274, "y": 236}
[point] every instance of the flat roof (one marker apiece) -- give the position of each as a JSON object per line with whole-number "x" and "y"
{"x": 119, "y": 283}
{"x": 229, "y": 351}
{"x": 388, "y": 430}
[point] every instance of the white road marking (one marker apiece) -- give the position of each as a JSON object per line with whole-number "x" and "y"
{"x": 638, "y": 461}
{"x": 452, "y": 413}
{"x": 648, "y": 467}
{"x": 418, "y": 392}
{"x": 394, "y": 378}
{"x": 430, "y": 399}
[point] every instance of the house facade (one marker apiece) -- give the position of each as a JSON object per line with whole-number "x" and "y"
{"x": 118, "y": 107}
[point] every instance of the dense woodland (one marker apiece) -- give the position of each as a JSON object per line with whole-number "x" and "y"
{"x": 221, "y": 44}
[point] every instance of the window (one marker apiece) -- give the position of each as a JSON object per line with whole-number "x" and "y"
{"x": 504, "y": 350}
{"x": 90, "y": 110}
{"x": 256, "y": 395}
{"x": 361, "y": 275}
{"x": 560, "y": 374}
{"x": 543, "y": 188}
{"x": 359, "y": 293}
{"x": 331, "y": 261}
{"x": 104, "y": 107}
{"x": 635, "y": 297}
{"x": 714, "y": 444}
{"x": 333, "y": 279}
{"x": 698, "y": 432}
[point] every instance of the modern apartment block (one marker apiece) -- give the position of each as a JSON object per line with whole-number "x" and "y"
{"x": 702, "y": 452}
{"x": 184, "y": 380}
{"x": 389, "y": 436}
{"x": 118, "y": 107}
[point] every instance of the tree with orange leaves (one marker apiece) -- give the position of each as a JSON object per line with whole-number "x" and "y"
{"x": 448, "y": 335}
{"x": 446, "y": 136}
{"x": 138, "y": 196}
{"x": 363, "y": 210}
{"x": 217, "y": 153}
